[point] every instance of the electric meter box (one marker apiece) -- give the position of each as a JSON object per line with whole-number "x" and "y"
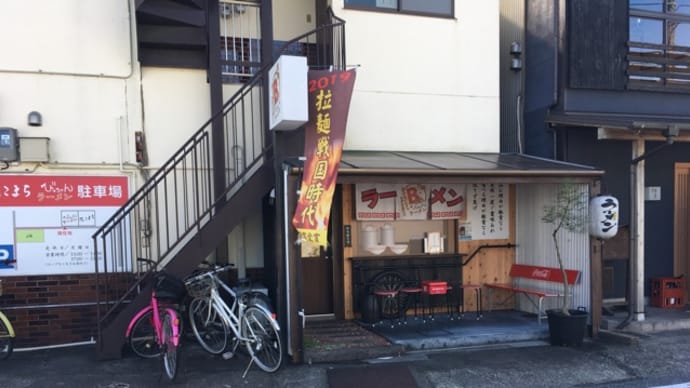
{"x": 9, "y": 145}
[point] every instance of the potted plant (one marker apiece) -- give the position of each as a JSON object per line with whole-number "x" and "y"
{"x": 568, "y": 213}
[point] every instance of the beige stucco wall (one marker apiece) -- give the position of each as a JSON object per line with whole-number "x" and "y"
{"x": 176, "y": 105}
{"x": 293, "y": 18}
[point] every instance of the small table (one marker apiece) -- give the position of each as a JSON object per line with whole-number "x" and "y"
{"x": 433, "y": 288}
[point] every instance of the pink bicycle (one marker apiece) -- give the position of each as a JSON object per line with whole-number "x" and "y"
{"x": 155, "y": 330}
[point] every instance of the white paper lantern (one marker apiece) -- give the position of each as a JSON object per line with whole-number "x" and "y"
{"x": 603, "y": 216}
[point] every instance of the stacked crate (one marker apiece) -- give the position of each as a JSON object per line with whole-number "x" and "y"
{"x": 668, "y": 292}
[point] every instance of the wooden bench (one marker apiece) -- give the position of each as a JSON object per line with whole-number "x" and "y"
{"x": 519, "y": 272}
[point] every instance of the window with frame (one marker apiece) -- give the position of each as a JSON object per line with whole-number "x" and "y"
{"x": 659, "y": 44}
{"x": 440, "y": 8}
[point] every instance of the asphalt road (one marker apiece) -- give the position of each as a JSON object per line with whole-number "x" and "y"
{"x": 659, "y": 359}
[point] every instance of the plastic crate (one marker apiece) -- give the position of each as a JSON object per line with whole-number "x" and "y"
{"x": 434, "y": 287}
{"x": 668, "y": 293}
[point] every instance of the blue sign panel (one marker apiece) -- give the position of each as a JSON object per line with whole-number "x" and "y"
{"x": 6, "y": 256}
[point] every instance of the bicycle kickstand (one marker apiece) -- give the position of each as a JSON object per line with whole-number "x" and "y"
{"x": 248, "y": 366}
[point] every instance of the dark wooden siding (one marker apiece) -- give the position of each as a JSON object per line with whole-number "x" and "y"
{"x": 597, "y": 36}
{"x": 173, "y": 33}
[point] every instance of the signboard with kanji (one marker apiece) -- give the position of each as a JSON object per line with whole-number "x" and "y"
{"x": 487, "y": 212}
{"x": 413, "y": 201}
{"x": 329, "y": 104}
{"x": 48, "y": 221}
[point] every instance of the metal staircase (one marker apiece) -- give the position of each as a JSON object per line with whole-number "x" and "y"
{"x": 184, "y": 211}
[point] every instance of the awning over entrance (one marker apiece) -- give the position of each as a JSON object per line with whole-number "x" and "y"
{"x": 614, "y": 120}
{"x": 358, "y": 166}
{"x": 626, "y": 127}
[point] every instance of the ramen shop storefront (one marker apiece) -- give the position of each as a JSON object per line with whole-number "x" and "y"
{"x": 455, "y": 217}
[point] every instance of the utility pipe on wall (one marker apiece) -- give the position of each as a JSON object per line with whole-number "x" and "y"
{"x": 286, "y": 247}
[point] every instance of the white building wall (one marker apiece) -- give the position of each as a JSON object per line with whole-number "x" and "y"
{"x": 424, "y": 83}
{"x": 86, "y": 118}
{"x": 66, "y": 36}
{"x": 72, "y": 61}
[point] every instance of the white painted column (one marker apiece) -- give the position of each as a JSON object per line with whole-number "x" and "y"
{"x": 637, "y": 231}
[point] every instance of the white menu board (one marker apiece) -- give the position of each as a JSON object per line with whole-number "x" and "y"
{"x": 487, "y": 212}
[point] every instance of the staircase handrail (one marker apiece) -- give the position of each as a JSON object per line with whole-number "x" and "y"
{"x": 232, "y": 101}
{"x": 202, "y": 134}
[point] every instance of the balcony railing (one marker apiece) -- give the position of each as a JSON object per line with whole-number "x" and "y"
{"x": 658, "y": 67}
{"x": 240, "y": 38}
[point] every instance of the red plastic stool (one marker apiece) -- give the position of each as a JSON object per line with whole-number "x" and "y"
{"x": 387, "y": 298}
{"x": 414, "y": 292}
{"x": 477, "y": 293}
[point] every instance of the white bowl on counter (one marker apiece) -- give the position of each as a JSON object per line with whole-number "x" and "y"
{"x": 376, "y": 249}
{"x": 398, "y": 249}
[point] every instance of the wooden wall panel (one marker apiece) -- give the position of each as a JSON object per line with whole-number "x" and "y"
{"x": 490, "y": 265}
{"x": 348, "y": 219}
{"x": 681, "y": 221}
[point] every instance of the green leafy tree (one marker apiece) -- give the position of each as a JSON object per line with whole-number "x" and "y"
{"x": 567, "y": 213}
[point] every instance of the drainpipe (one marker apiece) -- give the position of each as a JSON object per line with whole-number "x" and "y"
{"x": 286, "y": 253}
{"x": 636, "y": 265}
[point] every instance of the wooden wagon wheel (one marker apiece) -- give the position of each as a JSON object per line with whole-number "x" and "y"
{"x": 390, "y": 281}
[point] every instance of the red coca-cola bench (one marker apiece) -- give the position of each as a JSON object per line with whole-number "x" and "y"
{"x": 528, "y": 280}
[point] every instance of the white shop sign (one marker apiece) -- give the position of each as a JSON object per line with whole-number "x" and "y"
{"x": 287, "y": 91}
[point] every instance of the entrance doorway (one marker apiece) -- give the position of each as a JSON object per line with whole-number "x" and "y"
{"x": 681, "y": 221}
{"x": 317, "y": 284}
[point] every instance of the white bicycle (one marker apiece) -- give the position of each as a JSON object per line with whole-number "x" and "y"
{"x": 248, "y": 320}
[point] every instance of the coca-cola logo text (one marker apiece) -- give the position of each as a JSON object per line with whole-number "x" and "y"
{"x": 541, "y": 273}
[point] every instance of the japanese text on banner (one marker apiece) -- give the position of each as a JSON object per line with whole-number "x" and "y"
{"x": 329, "y": 103}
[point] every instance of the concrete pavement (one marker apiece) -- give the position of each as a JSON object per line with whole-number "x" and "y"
{"x": 652, "y": 353}
{"x": 656, "y": 359}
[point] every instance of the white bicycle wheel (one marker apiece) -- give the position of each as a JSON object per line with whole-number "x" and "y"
{"x": 208, "y": 326}
{"x": 262, "y": 339}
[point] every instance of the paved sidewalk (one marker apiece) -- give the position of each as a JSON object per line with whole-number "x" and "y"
{"x": 657, "y": 359}
{"x": 76, "y": 367}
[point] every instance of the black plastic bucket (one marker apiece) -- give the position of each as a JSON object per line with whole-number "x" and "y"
{"x": 567, "y": 330}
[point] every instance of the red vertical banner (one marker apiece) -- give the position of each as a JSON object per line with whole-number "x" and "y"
{"x": 329, "y": 102}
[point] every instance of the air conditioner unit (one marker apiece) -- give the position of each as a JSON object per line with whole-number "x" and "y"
{"x": 225, "y": 9}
